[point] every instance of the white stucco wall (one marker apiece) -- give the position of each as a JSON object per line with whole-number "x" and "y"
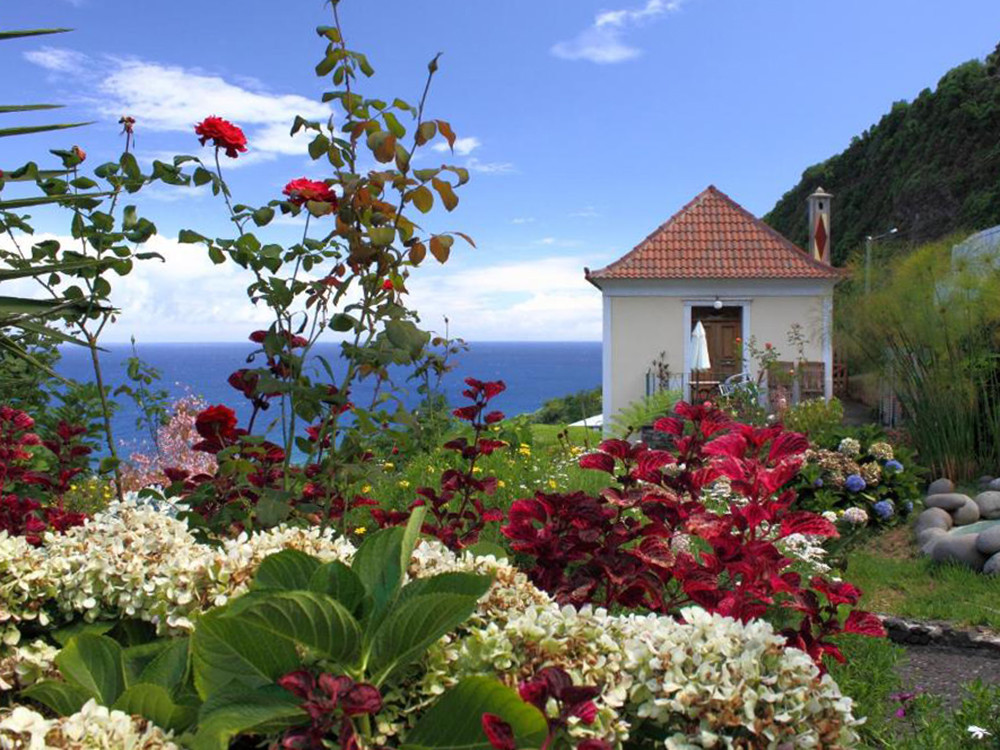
{"x": 644, "y": 318}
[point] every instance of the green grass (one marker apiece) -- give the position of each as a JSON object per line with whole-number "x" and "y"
{"x": 916, "y": 587}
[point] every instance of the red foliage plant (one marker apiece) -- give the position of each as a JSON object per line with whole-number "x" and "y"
{"x": 652, "y": 542}
{"x": 22, "y": 515}
{"x": 457, "y": 515}
{"x": 331, "y": 702}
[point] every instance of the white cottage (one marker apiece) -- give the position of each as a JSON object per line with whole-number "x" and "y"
{"x": 717, "y": 263}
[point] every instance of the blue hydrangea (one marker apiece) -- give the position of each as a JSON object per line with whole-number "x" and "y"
{"x": 855, "y": 483}
{"x": 894, "y": 465}
{"x": 818, "y": 482}
{"x": 908, "y": 505}
{"x": 884, "y": 509}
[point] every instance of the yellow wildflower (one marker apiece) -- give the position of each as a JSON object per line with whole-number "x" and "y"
{"x": 501, "y": 483}
{"x": 553, "y": 484}
{"x": 366, "y": 488}
{"x": 403, "y": 483}
{"x": 360, "y": 530}
{"x": 388, "y": 466}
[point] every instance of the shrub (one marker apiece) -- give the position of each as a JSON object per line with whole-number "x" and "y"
{"x": 641, "y": 413}
{"x": 816, "y": 418}
{"x": 653, "y": 542}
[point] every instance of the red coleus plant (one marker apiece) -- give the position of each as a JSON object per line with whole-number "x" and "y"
{"x": 25, "y": 516}
{"x": 332, "y": 702}
{"x": 223, "y": 134}
{"x": 303, "y": 189}
{"x": 456, "y": 514}
{"x": 654, "y": 541}
{"x": 551, "y": 684}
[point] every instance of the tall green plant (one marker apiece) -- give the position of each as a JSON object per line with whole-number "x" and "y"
{"x": 931, "y": 327}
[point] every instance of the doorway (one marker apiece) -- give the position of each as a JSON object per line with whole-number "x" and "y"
{"x": 723, "y": 329}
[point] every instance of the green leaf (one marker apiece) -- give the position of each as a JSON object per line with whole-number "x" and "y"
{"x": 422, "y": 198}
{"x": 268, "y": 710}
{"x": 378, "y": 567}
{"x": 64, "y": 635}
{"x": 130, "y": 166}
{"x": 202, "y": 176}
{"x": 465, "y": 584}
{"x": 382, "y": 236}
{"x": 337, "y": 580}
{"x": 482, "y": 549}
{"x": 454, "y": 722}
{"x": 263, "y": 216}
{"x": 309, "y": 618}
{"x": 404, "y": 335}
{"x": 94, "y": 663}
{"x": 448, "y": 196}
{"x": 17, "y": 34}
{"x": 216, "y": 255}
{"x": 153, "y": 702}
{"x": 188, "y": 236}
{"x": 411, "y": 627}
{"x": 394, "y": 125}
{"x": 288, "y": 570}
{"x": 61, "y": 697}
{"x": 318, "y": 146}
{"x": 167, "y": 669}
{"x": 229, "y": 652}
{"x": 342, "y": 322}
{"x": 43, "y": 200}
{"x": 28, "y": 129}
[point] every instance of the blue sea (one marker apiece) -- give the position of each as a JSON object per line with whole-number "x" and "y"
{"x": 533, "y": 371}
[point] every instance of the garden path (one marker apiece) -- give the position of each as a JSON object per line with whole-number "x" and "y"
{"x": 943, "y": 670}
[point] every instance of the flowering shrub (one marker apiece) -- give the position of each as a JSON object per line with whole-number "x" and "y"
{"x": 649, "y": 669}
{"x": 862, "y": 480}
{"x": 92, "y": 727}
{"x": 630, "y": 546}
{"x": 456, "y": 514}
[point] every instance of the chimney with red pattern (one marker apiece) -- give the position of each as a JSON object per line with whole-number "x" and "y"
{"x": 819, "y": 225}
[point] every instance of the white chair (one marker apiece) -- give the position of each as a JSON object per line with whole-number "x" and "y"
{"x": 734, "y": 383}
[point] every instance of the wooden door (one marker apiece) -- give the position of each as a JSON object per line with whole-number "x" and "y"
{"x": 723, "y": 351}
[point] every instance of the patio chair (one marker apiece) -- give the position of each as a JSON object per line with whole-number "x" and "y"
{"x": 734, "y": 383}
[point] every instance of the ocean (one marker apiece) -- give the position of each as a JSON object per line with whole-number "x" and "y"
{"x": 533, "y": 371}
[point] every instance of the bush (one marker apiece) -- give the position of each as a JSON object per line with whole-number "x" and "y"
{"x": 816, "y": 418}
{"x": 571, "y": 408}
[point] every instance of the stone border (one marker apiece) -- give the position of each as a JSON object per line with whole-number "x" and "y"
{"x": 941, "y": 633}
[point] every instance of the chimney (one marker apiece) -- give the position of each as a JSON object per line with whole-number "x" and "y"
{"x": 819, "y": 225}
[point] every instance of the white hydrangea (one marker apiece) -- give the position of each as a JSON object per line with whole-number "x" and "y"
{"x": 849, "y": 447}
{"x": 807, "y": 550}
{"x": 93, "y": 727}
{"x": 856, "y": 516}
{"x": 721, "y": 678}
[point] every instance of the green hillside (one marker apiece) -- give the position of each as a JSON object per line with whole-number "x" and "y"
{"x": 929, "y": 167}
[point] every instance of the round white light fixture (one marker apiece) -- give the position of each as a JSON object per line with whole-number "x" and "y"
{"x": 717, "y": 304}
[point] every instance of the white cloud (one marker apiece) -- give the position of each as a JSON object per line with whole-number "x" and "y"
{"x": 169, "y": 98}
{"x": 522, "y": 220}
{"x": 57, "y": 59}
{"x": 489, "y": 167}
{"x": 463, "y": 146}
{"x": 534, "y": 300}
{"x": 603, "y": 42}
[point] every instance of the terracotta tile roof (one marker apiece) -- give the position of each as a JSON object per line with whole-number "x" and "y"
{"x": 713, "y": 237}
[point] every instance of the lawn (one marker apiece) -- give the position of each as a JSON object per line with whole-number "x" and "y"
{"x": 897, "y": 581}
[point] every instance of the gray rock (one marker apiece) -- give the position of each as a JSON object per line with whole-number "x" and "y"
{"x": 928, "y": 546}
{"x": 989, "y": 504}
{"x": 941, "y": 487}
{"x": 947, "y": 501}
{"x": 958, "y": 548}
{"x": 988, "y": 542}
{"x": 984, "y": 481}
{"x": 932, "y": 518}
{"x": 992, "y": 566}
{"x": 927, "y": 535}
{"x": 968, "y": 513}
{"x": 994, "y": 485}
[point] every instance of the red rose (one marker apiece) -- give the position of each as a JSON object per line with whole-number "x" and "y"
{"x": 303, "y": 189}
{"x": 388, "y": 285}
{"x": 223, "y": 134}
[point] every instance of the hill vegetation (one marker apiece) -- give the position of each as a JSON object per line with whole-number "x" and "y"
{"x": 930, "y": 167}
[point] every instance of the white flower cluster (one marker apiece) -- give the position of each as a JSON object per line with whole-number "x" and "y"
{"x": 708, "y": 681}
{"x": 93, "y": 727}
{"x": 133, "y": 561}
{"x": 881, "y": 451}
{"x": 806, "y": 549}
{"x": 849, "y": 447}
{"x": 856, "y": 516}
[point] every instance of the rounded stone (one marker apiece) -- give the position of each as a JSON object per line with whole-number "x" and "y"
{"x": 958, "y": 548}
{"x": 941, "y": 486}
{"x": 989, "y": 504}
{"x": 988, "y": 542}
{"x": 968, "y": 513}
{"x": 994, "y": 485}
{"x": 932, "y": 518}
{"x": 928, "y": 546}
{"x": 927, "y": 535}
{"x": 984, "y": 481}
{"x": 947, "y": 500}
{"x": 992, "y": 566}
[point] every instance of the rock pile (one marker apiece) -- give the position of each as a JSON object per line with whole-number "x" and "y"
{"x": 957, "y": 528}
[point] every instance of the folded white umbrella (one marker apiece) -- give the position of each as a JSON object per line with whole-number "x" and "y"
{"x": 699, "y": 348}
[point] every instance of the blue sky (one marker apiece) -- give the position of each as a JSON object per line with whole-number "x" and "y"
{"x": 585, "y": 123}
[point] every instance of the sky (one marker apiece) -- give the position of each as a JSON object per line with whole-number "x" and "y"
{"x": 584, "y": 123}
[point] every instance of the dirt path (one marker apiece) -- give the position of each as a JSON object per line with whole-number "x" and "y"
{"x": 942, "y": 671}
